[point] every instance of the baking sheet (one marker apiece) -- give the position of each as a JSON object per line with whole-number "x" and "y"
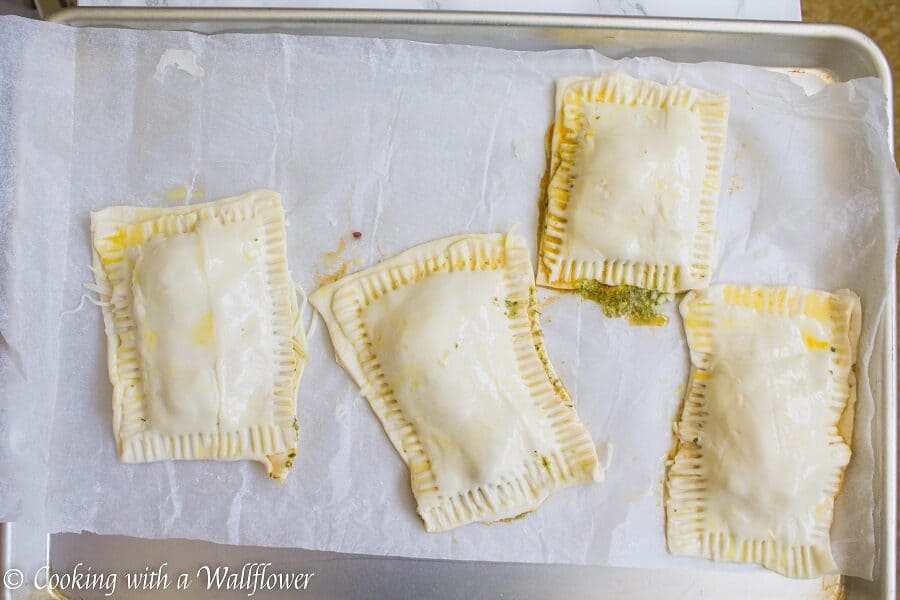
{"x": 403, "y": 142}
{"x": 700, "y": 9}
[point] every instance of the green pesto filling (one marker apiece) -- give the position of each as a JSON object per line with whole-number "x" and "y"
{"x": 289, "y": 463}
{"x": 639, "y": 306}
{"x": 512, "y": 308}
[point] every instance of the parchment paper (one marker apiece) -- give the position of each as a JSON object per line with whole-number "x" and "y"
{"x": 403, "y": 142}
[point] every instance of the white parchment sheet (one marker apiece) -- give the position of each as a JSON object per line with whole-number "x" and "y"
{"x": 403, "y": 142}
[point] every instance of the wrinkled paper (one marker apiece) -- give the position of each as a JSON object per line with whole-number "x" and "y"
{"x": 403, "y": 142}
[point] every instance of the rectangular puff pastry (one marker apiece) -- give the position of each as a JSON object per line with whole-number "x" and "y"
{"x": 635, "y": 171}
{"x": 444, "y": 342}
{"x": 766, "y": 427}
{"x": 205, "y": 344}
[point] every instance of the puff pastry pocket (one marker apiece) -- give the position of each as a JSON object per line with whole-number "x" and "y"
{"x": 635, "y": 171}
{"x": 205, "y": 344}
{"x": 444, "y": 342}
{"x": 766, "y": 427}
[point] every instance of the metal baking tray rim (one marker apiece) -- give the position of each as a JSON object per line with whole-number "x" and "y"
{"x": 115, "y": 16}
